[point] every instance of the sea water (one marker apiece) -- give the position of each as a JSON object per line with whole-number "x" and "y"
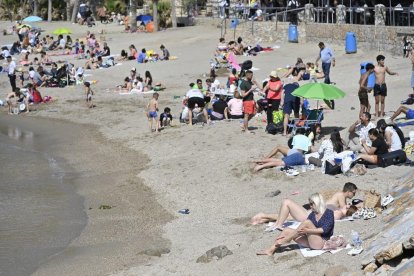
{"x": 40, "y": 211}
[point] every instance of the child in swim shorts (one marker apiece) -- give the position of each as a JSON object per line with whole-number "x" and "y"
{"x": 152, "y": 112}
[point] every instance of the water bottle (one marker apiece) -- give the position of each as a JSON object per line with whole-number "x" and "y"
{"x": 356, "y": 240}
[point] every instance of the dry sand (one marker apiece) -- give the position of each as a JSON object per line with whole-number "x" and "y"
{"x": 205, "y": 169}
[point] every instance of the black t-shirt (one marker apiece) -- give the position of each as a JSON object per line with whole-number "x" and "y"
{"x": 289, "y": 88}
{"x": 107, "y": 51}
{"x": 219, "y": 106}
{"x": 380, "y": 145}
{"x": 246, "y": 86}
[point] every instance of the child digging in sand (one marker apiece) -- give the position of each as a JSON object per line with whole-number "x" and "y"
{"x": 152, "y": 112}
{"x": 89, "y": 93}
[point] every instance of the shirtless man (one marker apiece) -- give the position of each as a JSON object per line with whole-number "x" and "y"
{"x": 292, "y": 210}
{"x": 380, "y": 88}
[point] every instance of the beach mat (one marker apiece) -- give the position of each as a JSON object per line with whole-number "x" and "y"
{"x": 404, "y": 122}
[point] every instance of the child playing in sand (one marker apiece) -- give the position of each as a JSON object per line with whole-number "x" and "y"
{"x": 152, "y": 113}
{"x": 89, "y": 93}
{"x": 166, "y": 117}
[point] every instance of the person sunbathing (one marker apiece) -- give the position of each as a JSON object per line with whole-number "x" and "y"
{"x": 221, "y": 47}
{"x": 409, "y": 113}
{"x": 292, "y": 156}
{"x": 311, "y": 73}
{"x": 313, "y": 232}
{"x": 292, "y": 210}
{"x": 296, "y": 69}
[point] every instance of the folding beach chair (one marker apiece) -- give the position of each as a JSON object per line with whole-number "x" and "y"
{"x": 314, "y": 116}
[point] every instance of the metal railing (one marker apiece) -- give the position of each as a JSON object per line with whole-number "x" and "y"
{"x": 393, "y": 16}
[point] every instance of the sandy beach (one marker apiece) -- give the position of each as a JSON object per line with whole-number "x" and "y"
{"x": 148, "y": 177}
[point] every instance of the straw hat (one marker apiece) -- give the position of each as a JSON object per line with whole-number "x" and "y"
{"x": 273, "y": 74}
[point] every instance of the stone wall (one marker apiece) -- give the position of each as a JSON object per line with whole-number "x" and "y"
{"x": 380, "y": 38}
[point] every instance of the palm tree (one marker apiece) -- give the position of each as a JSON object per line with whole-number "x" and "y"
{"x": 35, "y": 8}
{"x": 155, "y": 14}
{"x": 133, "y": 19}
{"x": 75, "y": 11}
{"x": 49, "y": 10}
{"x": 173, "y": 14}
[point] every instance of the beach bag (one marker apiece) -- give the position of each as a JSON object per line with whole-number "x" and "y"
{"x": 372, "y": 199}
{"x": 277, "y": 116}
{"x": 274, "y": 128}
{"x": 246, "y": 65}
{"x": 332, "y": 169}
{"x": 37, "y": 98}
{"x": 392, "y": 158}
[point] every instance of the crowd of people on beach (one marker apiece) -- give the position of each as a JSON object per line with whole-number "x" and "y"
{"x": 363, "y": 142}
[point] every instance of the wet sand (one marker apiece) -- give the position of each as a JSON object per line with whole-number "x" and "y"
{"x": 102, "y": 173}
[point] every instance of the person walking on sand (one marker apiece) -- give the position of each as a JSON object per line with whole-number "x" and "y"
{"x": 363, "y": 90}
{"x": 89, "y": 93}
{"x": 152, "y": 112}
{"x": 312, "y": 233}
{"x": 247, "y": 87}
{"x": 326, "y": 55}
{"x": 380, "y": 88}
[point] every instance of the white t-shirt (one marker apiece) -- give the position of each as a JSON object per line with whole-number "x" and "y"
{"x": 362, "y": 131}
{"x": 5, "y": 53}
{"x": 301, "y": 142}
{"x": 62, "y": 43}
{"x": 139, "y": 86}
{"x": 395, "y": 139}
{"x": 12, "y": 68}
{"x": 235, "y": 106}
{"x": 194, "y": 93}
{"x": 326, "y": 150}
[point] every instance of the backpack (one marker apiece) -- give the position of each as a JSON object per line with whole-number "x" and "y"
{"x": 274, "y": 128}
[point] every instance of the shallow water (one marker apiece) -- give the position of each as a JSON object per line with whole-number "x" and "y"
{"x": 40, "y": 212}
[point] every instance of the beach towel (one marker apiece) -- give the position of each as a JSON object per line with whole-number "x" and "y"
{"x": 404, "y": 122}
{"x": 231, "y": 58}
{"x": 135, "y": 91}
{"x": 333, "y": 245}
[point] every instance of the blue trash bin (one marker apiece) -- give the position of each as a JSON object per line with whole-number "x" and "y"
{"x": 293, "y": 33}
{"x": 371, "y": 77}
{"x": 350, "y": 43}
{"x": 234, "y": 23}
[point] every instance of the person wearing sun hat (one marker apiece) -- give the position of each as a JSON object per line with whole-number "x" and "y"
{"x": 273, "y": 90}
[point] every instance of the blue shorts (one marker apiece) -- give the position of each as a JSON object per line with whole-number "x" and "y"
{"x": 290, "y": 106}
{"x": 294, "y": 158}
{"x": 153, "y": 114}
{"x": 410, "y": 114}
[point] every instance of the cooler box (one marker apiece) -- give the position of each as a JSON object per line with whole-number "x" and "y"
{"x": 293, "y": 33}
{"x": 350, "y": 43}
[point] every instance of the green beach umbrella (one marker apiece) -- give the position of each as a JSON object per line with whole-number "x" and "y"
{"x": 62, "y": 31}
{"x": 319, "y": 91}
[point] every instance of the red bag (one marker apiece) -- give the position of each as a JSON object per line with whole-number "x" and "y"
{"x": 37, "y": 98}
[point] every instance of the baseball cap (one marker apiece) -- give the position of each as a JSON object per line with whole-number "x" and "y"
{"x": 133, "y": 69}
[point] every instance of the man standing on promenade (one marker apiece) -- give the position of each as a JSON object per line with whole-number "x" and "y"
{"x": 380, "y": 88}
{"x": 326, "y": 55}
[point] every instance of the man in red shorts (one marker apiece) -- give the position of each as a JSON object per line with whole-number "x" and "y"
{"x": 247, "y": 88}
